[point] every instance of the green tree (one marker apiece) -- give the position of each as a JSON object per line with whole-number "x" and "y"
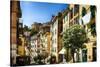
{"x": 33, "y": 32}
{"x": 74, "y": 38}
{"x": 26, "y": 28}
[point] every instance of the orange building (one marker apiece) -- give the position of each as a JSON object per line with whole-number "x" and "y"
{"x": 15, "y": 14}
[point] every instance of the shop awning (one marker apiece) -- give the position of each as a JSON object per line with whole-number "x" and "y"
{"x": 63, "y": 50}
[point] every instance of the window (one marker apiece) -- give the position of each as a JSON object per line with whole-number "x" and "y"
{"x": 76, "y": 9}
{"x": 66, "y": 18}
{"x": 76, "y": 20}
{"x": 55, "y": 40}
{"x": 84, "y": 55}
{"x": 93, "y": 26}
{"x": 71, "y": 14}
{"x": 92, "y": 9}
{"x": 19, "y": 41}
{"x": 55, "y": 49}
{"x": 32, "y": 45}
{"x": 84, "y": 11}
{"x": 93, "y": 29}
{"x": 19, "y": 27}
{"x": 52, "y": 41}
{"x": 94, "y": 53}
{"x": 55, "y": 31}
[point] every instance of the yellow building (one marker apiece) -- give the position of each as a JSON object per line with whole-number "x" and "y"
{"x": 65, "y": 20}
{"x": 88, "y": 16}
{"x": 56, "y": 37}
{"x": 44, "y": 41}
{"x": 84, "y": 15}
{"x": 66, "y": 23}
{"x": 21, "y": 46}
{"x": 47, "y": 35}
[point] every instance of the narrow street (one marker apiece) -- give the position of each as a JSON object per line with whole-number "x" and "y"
{"x": 52, "y": 33}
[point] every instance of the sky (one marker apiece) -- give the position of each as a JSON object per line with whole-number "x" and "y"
{"x": 39, "y": 11}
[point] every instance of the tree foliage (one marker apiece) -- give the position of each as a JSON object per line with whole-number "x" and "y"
{"x": 74, "y": 37}
{"x": 26, "y": 28}
{"x": 33, "y": 32}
